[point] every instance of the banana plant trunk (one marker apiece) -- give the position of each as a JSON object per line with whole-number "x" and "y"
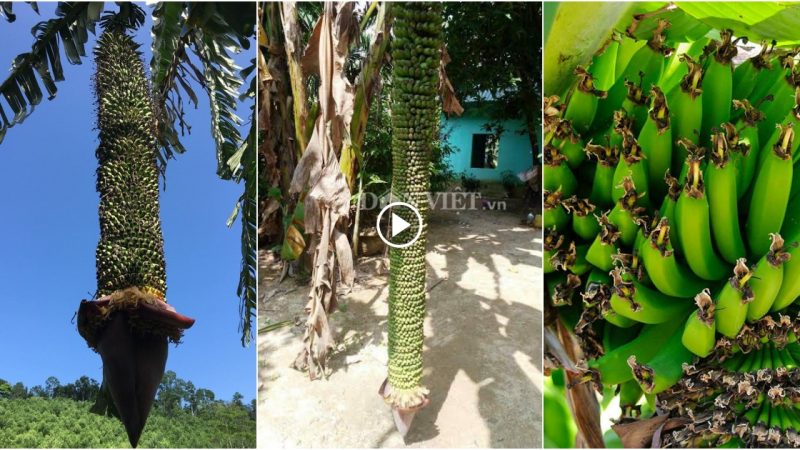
{"x": 129, "y": 322}
{"x": 415, "y": 123}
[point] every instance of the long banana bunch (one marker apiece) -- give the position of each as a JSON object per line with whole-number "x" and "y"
{"x": 684, "y": 244}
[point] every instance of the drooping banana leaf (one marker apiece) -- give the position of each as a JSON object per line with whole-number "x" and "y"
{"x": 757, "y": 21}
{"x": 69, "y": 30}
{"x": 6, "y": 10}
{"x": 210, "y": 33}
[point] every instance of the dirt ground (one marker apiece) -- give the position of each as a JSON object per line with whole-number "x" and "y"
{"x": 482, "y": 348}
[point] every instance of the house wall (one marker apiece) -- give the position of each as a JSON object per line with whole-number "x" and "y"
{"x": 514, "y": 152}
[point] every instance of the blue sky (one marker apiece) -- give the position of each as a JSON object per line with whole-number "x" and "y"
{"x": 49, "y": 230}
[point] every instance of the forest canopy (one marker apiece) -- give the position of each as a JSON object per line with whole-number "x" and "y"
{"x": 58, "y": 415}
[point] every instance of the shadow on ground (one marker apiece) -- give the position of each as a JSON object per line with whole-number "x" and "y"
{"x": 482, "y": 348}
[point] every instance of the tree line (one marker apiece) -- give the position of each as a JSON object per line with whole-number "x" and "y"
{"x": 174, "y": 394}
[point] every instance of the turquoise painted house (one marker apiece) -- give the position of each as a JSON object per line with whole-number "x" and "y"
{"x": 478, "y": 154}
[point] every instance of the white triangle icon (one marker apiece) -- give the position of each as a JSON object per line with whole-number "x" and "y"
{"x": 398, "y": 224}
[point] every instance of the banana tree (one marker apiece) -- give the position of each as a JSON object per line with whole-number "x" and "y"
{"x": 286, "y": 28}
{"x": 299, "y": 42}
{"x": 185, "y": 35}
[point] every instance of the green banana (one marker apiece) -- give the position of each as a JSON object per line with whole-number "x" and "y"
{"x": 744, "y": 143}
{"x": 615, "y": 336}
{"x": 792, "y": 119}
{"x": 602, "y": 184}
{"x": 668, "y": 209}
{"x": 630, "y": 165}
{"x": 770, "y": 194}
{"x": 554, "y": 214}
{"x": 568, "y": 143}
{"x": 666, "y": 367}
{"x": 629, "y": 395}
{"x": 767, "y": 279}
{"x": 628, "y": 48}
{"x": 656, "y": 142}
{"x": 667, "y": 275}
{"x": 791, "y": 223}
{"x": 747, "y": 73}
{"x": 722, "y": 200}
{"x": 782, "y": 92}
{"x": 557, "y": 174}
{"x": 733, "y": 299}
{"x": 638, "y": 302}
{"x": 626, "y": 212}
{"x": 635, "y": 58}
{"x": 790, "y": 285}
{"x": 611, "y": 316}
{"x": 771, "y": 76}
{"x": 582, "y": 104}
{"x": 718, "y": 84}
{"x": 584, "y": 223}
{"x": 572, "y": 259}
{"x": 604, "y": 62}
{"x": 604, "y": 245}
{"x": 552, "y": 243}
{"x": 692, "y": 215}
{"x": 686, "y": 113}
{"x": 700, "y": 329}
{"x": 613, "y": 366}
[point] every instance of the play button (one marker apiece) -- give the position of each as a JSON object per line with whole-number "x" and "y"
{"x": 398, "y": 225}
{"x": 399, "y": 239}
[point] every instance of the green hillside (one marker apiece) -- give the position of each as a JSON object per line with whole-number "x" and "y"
{"x": 57, "y": 416}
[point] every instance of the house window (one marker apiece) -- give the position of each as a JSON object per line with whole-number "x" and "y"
{"x": 485, "y": 148}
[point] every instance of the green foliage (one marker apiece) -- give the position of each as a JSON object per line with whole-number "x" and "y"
{"x": 47, "y": 423}
{"x": 70, "y": 28}
{"x": 510, "y": 181}
{"x": 58, "y": 415}
{"x": 495, "y": 51}
{"x": 470, "y": 183}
